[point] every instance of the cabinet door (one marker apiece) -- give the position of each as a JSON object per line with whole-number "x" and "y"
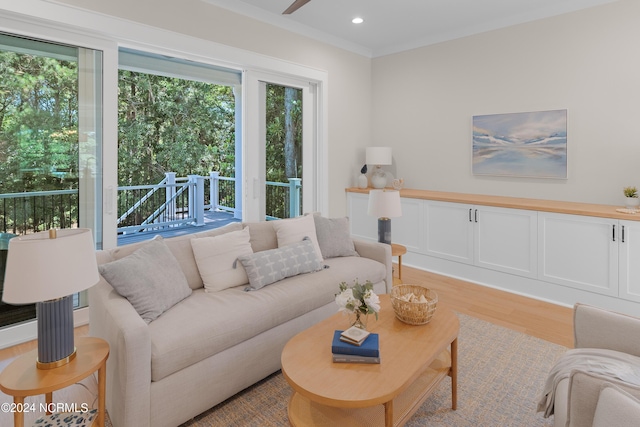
{"x": 578, "y": 251}
{"x": 629, "y": 265}
{"x": 449, "y": 231}
{"x": 363, "y": 226}
{"x": 407, "y": 229}
{"x": 506, "y": 240}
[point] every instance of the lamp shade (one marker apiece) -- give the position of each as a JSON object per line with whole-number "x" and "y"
{"x": 41, "y": 268}
{"x": 378, "y": 156}
{"x": 384, "y": 204}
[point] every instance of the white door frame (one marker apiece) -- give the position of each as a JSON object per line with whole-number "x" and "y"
{"x": 254, "y": 150}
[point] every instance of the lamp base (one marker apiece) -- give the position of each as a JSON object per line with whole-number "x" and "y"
{"x": 384, "y": 230}
{"x": 55, "y": 333}
{"x": 379, "y": 178}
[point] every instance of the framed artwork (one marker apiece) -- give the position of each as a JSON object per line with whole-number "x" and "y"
{"x": 530, "y": 145}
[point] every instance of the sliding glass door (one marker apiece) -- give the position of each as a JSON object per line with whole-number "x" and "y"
{"x": 50, "y": 144}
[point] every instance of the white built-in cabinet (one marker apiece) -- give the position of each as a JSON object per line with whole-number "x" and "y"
{"x": 595, "y": 254}
{"x": 629, "y": 260}
{"x": 590, "y": 253}
{"x": 579, "y": 251}
{"x": 490, "y": 237}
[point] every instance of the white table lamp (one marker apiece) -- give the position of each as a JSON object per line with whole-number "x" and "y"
{"x": 378, "y": 156}
{"x": 47, "y": 269}
{"x": 384, "y": 204}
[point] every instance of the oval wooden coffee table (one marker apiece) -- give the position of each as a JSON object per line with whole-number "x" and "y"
{"x": 414, "y": 359}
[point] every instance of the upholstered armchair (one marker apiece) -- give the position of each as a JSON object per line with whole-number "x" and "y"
{"x": 598, "y": 382}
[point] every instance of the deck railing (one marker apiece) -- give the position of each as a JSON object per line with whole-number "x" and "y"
{"x": 174, "y": 201}
{"x": 33, "y": 211}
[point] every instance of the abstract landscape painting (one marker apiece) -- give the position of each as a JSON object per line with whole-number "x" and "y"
{"x": 521, "y": 144}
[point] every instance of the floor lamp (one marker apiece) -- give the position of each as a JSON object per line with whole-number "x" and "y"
{"x": 384, "y": 204}
{"x": 47, "y": 269}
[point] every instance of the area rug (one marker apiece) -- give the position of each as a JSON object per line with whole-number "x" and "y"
{"x": 501, "y": 373}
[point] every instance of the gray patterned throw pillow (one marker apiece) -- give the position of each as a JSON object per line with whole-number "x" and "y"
{"x": 267, "y": 267}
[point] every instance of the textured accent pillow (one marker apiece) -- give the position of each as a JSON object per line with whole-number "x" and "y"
{"x": 333, "y": 237}
{"x": 293, "y": 230}
{"x": 150, "y": 278}
{"x": 215, "y": 257}
{"x": 267, "y": 267}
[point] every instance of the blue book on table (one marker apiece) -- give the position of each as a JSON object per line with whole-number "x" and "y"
{"x": 370, "y": 346}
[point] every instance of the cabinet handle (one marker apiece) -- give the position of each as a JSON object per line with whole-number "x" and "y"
{"x": 476, "y": 215}
{"x": 623, "y": 234}
{"x": 614, "y": 232}
{"x": 470, "y": 220}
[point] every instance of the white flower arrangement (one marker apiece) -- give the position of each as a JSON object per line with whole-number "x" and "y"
{"x": 358, "y": 299}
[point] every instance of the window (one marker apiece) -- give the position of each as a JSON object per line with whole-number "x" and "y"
{"x": 50, "y": 144}
{"x": 176, "y": 119}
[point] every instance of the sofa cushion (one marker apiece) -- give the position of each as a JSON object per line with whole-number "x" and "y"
{"x": 293, "y": 230}
{"x": 216, "y": 259}
{"x": 150, "y": 278}
{"x": 180, "y": 247}
{"x": 207, "y": 323}
{"x": 334, "y": 237}
{"x": 266, "y": 267}
{"x": 263, "y": 235}
{"x": 584, "y": 390}
{"x": 617, "y": 408}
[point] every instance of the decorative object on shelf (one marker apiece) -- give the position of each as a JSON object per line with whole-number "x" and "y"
{"x": 47, "y": 269}
{"x": 363, "y": 182}
{"x": 384, "y": 204}
{"x": 398, "y": 183}
{"x": 631, "y": 197}
{"x": 628, "y": 211}
{"x": 359, "y": 300}
{"x": 379, "y": 156}
{"x": 531, "y": 145}
{"x": 413, "y": 304}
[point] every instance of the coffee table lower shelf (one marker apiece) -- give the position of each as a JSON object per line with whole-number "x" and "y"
{"x": 305, "y": 413}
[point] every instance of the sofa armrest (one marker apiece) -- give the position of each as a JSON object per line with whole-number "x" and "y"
{"x": 113, "y": 318}
{"x": 378, "y": 252}
{"x": 597, "y": 328}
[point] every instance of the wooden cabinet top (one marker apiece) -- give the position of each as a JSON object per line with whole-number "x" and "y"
{"x": 573, "y": 208}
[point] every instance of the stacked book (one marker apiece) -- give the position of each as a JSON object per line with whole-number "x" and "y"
{"x": 355, "y": 345}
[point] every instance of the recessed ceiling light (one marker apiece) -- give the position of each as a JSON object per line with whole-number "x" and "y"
{"x": 357, "y": 20}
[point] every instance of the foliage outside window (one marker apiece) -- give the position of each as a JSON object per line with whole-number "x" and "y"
{"x": 173, "y": 125}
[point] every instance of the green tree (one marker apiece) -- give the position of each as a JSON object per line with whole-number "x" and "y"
{"x": 173, "y": 125}
{"x": 38, "y": 123}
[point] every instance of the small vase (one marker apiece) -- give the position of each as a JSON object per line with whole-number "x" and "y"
{"x": 359, "y": 320}
{"x": 363, "y": 182}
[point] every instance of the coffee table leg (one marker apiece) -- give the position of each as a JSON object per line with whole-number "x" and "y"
{"x": 388, "y": 414}
{"x": 454, "y": 374}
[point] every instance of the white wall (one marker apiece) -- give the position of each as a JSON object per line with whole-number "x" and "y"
{"x": 586, "y": 62}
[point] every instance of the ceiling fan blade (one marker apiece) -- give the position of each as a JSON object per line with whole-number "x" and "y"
{"x": 295, "y": 6}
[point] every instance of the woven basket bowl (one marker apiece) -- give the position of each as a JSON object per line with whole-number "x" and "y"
{"x": 414, "y": 313}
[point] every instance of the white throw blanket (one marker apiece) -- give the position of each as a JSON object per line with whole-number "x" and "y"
{"x": 622, "y": 366}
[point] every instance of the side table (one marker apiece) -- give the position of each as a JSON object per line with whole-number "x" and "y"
{"x": 398, "y": 250}
{"x": 22, "y": 378}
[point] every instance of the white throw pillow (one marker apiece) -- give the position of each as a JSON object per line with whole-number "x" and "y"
{"x": 293, "y": 230}
{"x": 216, "y": 256}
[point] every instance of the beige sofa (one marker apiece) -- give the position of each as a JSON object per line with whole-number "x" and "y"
{"x": 211, "y": 345}
{"x": 589, "y": 390}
